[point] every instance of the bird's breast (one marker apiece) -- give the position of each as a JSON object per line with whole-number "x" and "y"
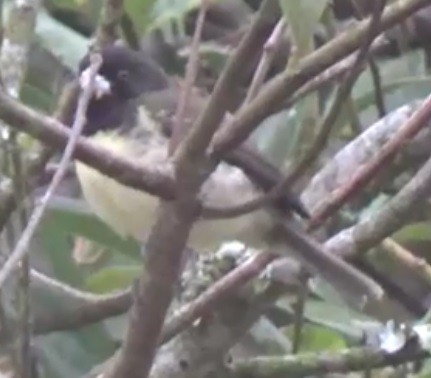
{"x": 132, "y": 212}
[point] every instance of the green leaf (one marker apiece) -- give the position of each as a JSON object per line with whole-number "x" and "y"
{"x": 68, "y": 45}
{"x": 36, "y": 97}
{"x": 337, "y": 317}
{"x": 269, "y": 338}
{"x": 141, "y": 13}
{"x": 72, "y": 354}
{"x": 112, "y": 278}
{"x": 75, "y": 219}
{"x": 57, "y": 246}
{"x": 302, "y": 16}
{"x": 164, "y": 11}
{"x": 420, "y": 231}
{"x": 316, "y": 338}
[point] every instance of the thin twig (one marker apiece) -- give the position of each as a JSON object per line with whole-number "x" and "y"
{"x": 173, "y": 223}
{"x": 324, "y": 128}
{"x": 415, "y": 123}
{"x": 179, "y": 125}
{"x": 92, "y": 308}
{"x": 283, "y": 86}
{"x": 269, "y": 50}
{"x": 36, "y": 216}
{"x": 157, "y": 181}
{"x": 299, "y": 315}
{"x": 408, "y": 260}
{"x": 374, "y": 69}
{"x": 316, "y": 364}
{"x": 18, "y": 35}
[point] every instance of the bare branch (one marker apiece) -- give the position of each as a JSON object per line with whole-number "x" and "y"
{"x": 269, "y": 50}
{"x": 285, "y": 84}
{"x": 417, "y": 121}
{"x": 174, "y": 221}
{"x": 391, "y": 217}
{"x": 304, "y": 365}
{"x": 205, "y": 303}
{"x": 179, "y": 126}
{"x": 22, "y": 245}
{"x": 56, "y": 135}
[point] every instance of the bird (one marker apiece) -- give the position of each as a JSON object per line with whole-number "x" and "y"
{"x": 114, "y": 123}
{"x": 126, "y": 117}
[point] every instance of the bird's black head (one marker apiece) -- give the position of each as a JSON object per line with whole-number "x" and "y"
{"x": 128, "y": 75}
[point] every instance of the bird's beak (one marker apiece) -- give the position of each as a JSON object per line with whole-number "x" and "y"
{"x": 102, "y": 86}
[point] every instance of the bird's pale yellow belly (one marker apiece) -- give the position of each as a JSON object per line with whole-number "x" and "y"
{"x": 131, "y": 212}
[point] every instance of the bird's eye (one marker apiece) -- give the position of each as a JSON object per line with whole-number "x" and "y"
{"x": 123, "y": 75}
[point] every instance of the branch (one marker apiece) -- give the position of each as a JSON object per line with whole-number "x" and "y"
{"x": 223, "y": 95}
{"x": 86, "y": 308}
{"x": 285, "y": 84}
{"x": 157, "y": 182}
{"x": 387, "y": 220}
{"x": 269, "y": 50}
{"x": 36, "y": 216}
{"x": 416, "y": 122}
{"x": 353, "y": 66}
{"x": 180, "y": 127}
{"x": 76, "y": 308}
{"x": 311, "y": 364}
{"x": 173, "y": 223}
{"x": 206, "y": 302}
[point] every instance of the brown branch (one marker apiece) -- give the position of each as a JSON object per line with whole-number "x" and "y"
{"x": 319, "y": 260}
{"x": 22, "y": 245}
{"x": 82, "y": 308}
{"x": 36, "y": 165}
{"x": 324, "y": 129}
{"x": 179, "y": 128}
{"x": 207, "y": 301}
{"x": 416, "y": 122}
{"x": 222, "y": 96}
{"x": 390, "y": 218}
{"x": 269, "y": 50}
{"x": 408, "y": 260}
{"x": 285, "y": 84}
{"x": 88, "y": 309}
{"x": 173, "y": 223}
{"x": 374, "y": 69}
{"x": 311, "y": 364}
{"x": 56, "y": 135}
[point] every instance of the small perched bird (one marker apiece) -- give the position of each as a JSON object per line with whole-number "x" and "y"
{"x": 126, "y": 117}
{"x": 113, "y": 122}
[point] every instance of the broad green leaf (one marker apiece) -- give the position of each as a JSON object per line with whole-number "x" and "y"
{"x": 57, "y": 246}
{"x": 77, "y": 220}
{"x": 302, "y": 16}
{"x": 141, "y": 13}
{"x": 337, "y": 317}
{"x": 316, "y": 338}
{"x": 112, "y": 278}
{"x": 36, "y": 97}
{"x": 270, "y": 338}
{"x": 68, "y": 45}
{"x": 417, "y": 231}
{"x": 164, "y": 11}
{"x": 72, "y": 354}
